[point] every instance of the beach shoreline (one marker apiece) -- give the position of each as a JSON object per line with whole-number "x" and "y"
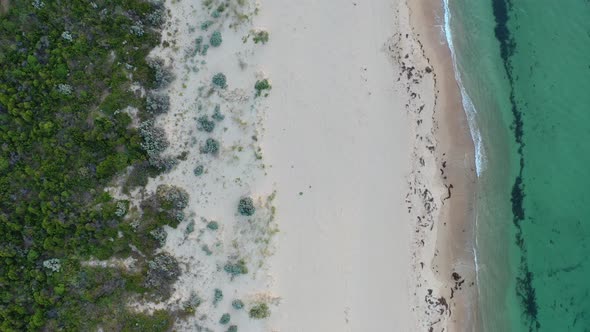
{"x": 362, "y": 146}
{"x": 454, "y": 258}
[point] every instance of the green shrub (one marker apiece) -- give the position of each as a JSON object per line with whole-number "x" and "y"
{"x": 205, "y": 25}
{"x": 162, "y": 272}
{"x": 211, "y": 146}
{"x": 224, "y": 319}
{"x": 199, "y": 170}
{"x": 237, "y": 304}
{"x": 217, "y": 116}
{"x": 204, "y": 124}
{"x": 260, "y": 36}
{"x": 261, "y": 86}
{"x": 237, "y": 268}
{"x": 259, "y": 311}
{"x": 206, "y": 250}
{"x": 219, "y": 80}
{"x": 157, "y": 103}
{"x": 246, "y": 206}
{"x": 193, "y": 302}
{"x": 213, "y": 225}
{"x": 217, "y": 296}
{"x": 215, "y": 39}
{"x": 232, "y": 328}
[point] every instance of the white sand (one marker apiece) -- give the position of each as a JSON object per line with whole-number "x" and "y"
{"x": 339, "y": 133}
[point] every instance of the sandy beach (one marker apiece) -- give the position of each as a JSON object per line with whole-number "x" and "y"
{"x": 358, "y": 161}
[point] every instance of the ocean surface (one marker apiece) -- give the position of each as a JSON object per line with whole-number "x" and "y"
{"x": 524, "y": 66}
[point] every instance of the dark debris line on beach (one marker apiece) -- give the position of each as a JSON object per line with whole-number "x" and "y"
{"x": 524, "y": 287}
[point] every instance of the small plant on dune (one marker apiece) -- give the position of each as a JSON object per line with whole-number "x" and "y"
{"x": 206, "y": 250}
{"x": 193, "y": 302}
{"x": 204, "y": 124}
{"x": 246, "y": 206}
{"x": 219, "y": 80}
{"x": 217, "y": 296}
{"x": 213, "y": 225}
{"x": 211, "y": 146}
{"x": 232, "y": 328}
{"x": 225, "y": 318}
{"x": 262, "y": 85}
{"x": 260, "y": 36}
{"x": 205, "y": 25}
{"x": 237, "y": 304}
{"x": 259, "y": 311}
{"x": 217, "y": 116}
{"x": 199, "y": 170}
{"x": 237, "y": 268}
{"x": 215, "y": 39}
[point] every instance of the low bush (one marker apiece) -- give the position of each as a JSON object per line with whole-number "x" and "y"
{"x": 217, "y": 296}
{"x": 211, "y": 146}
{"x": 157, "y": 103}
{"x": 246, "y": 206}
{"x": 225, "y": 318}
{"x": 259, "y": 311}
{"x": 262, "y": 85}
{"x": 236, "y": 268}
{"x": 219, "y": 80}
{"x": 162, "y": 272}
{"x": 204, "y": 124}
{"x": 199, "y": 170}
{"x": 237, "y": 304}
{"x": 260, "y": 36}
{"x": 215, "y": 39}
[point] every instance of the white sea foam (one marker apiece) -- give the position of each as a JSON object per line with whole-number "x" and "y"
{"x": 471, "y": 112}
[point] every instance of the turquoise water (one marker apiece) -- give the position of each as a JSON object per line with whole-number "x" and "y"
{"x": 526, "y": 67}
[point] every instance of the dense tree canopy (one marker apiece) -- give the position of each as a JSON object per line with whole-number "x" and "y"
{"x": 66, "y": 68}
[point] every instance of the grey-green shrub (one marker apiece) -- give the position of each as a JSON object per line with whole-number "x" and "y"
{"x": 157, "y": 103}
{"x": 162, "y": 74}
{"x": 237, "y": 304}
{"x": 232, "y": 328}
{"x": 211, "y": 146}
{"x": 162, "y": 272}
{"x": 172, "y": 197}
{"x": 225, "y": 318}
{"x": 217, "y": 116}
{"x": 236, "y": 268}
{"x": 204, "y": 124}
{"x": 154, "y": 138}
{"x": 219, "y": 80}
{"x": 215, "y": 39}
{"x": 160, "y": 235}
{"x": 213, "y": 225}
{"x": 246, "y": 206}
{"x": 199, "y": 170}
{"x": 217, "y": 296}
{"x": 205, "y": 25}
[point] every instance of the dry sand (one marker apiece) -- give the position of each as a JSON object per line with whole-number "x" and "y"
{"x": 360, "y": 138}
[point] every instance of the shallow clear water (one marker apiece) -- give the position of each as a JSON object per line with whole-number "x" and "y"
{"x": 526, "y": 66}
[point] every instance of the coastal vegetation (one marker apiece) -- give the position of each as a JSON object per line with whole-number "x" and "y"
{"x": 246, "y": 206}
{"x": 262, "y": 85}
{"x": 259, "y": 311}
{"x": 68, "y": 72}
